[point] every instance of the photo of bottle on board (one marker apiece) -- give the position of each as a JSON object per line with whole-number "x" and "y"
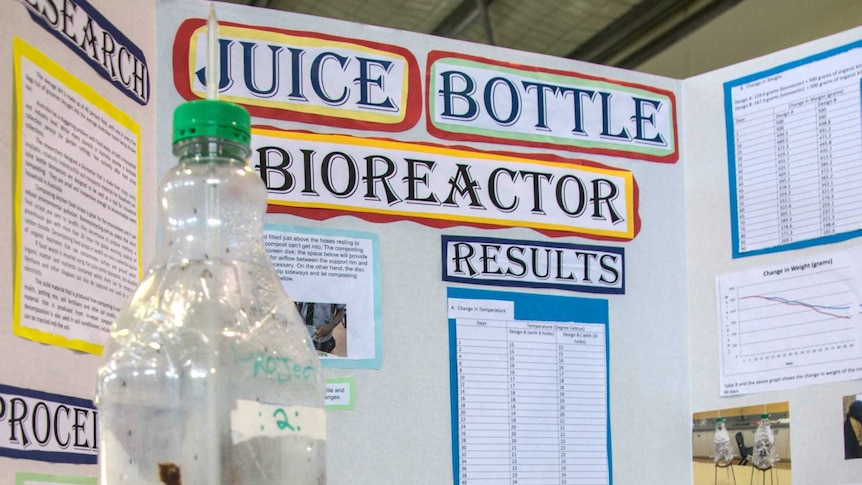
{"x": 327, "y": 326}
{"x": 746, "y": 444}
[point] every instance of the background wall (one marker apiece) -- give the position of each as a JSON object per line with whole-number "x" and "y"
{"x": 754, "y": 28}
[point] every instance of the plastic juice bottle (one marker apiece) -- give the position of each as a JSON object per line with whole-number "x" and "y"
{"x": 764, "y": 444}
{"x": 209, "y": 376}
{"x": 723, "y": 451}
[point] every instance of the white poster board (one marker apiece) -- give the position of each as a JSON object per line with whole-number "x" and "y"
{"x": 713, "y": 242}
{"x": 589, "y": 161}
{"x": 372, "y": 130}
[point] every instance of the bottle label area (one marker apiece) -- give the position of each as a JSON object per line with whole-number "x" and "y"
{"x": 253, "y": 419}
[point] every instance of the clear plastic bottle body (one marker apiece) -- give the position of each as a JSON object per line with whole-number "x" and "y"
{"x": 722, "y": 449}
{"x": 209, "y": 376}
{"x": 764, "y": 456}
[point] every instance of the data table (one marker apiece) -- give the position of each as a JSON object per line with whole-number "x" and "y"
{"x": 531, "y": 403}
{"x": 798, "y": 170}
{"x": 795, "y": 152}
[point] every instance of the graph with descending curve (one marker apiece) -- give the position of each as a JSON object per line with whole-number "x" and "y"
{"x": 790, "y": 324}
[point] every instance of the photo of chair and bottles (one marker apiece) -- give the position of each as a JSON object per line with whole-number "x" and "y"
{"x": 743, "y": 445}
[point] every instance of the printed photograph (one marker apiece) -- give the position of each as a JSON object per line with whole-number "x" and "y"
{"x": 853, "y": 426}
{"x": 327, "y": 325}
{"x": 749, "y": 444}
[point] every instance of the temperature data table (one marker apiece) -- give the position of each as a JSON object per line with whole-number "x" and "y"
{"x": 531, "y": 401}
{"x": 795, "y": 147}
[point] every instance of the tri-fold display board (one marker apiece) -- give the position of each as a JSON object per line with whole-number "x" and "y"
{"x": 547, "y": 266}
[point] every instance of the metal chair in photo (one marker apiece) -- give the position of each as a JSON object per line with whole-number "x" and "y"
{"x": 744, "y": 451}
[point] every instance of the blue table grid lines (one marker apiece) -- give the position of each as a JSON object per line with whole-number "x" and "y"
{"x": 494, "y": 462}
{"x": 543, "y": 469}
{"x": 805, "y": 206}
{"x": 538, "y": 404}
{"x": 849, "y": 223}
{"x": 756, "y": 164}
{"x": 807, "y": 178}
{"x": 496, "y": 480}
{"x": 489, "y": 428}
{"x": 493, "y": 347}
{"x": 853, "y": 197}
{"x": 527, "y": 425}
{"x": 541, "y": 464}
{"x": 766, "y": 216}
{"x": 531, "y": 402}
{"x": 475, "y": 387}
{"x": 480, "y": 452}
{"x": 518, "y": 405}
{"x": 486, "y": 402}
{"x": 544, "y": 394}
{"x": 471, "y": 403}
{"x": 529, "y": 383}
{"x": 525, "y": 366}
{"x": 490, "y": 373}
{"x": 496, "y": 361}
{"x": 533, "y": 382}
{"x": 569, "y": 364}
{"x": 585, "y": 357}
{"x": 805, "y": 185}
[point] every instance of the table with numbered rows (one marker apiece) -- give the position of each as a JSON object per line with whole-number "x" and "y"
{"x": 531, "y": 400}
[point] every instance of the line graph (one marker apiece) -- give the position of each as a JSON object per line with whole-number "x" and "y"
{"x": 777, "y": 321}
{"x": 822, "y": 309}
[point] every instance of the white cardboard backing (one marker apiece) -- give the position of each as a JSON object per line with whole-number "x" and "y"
{"x": 662, "y": 331}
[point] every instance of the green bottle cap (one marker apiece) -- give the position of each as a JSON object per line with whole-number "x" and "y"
{"x": 212, "y": 118}
{"x": 764, "y": 415}
{"x": 720, "y": 420}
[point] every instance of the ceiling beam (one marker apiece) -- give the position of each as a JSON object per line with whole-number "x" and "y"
{"x": 486, "y": 21}
{"x": 460, "y": 18}
{"x": 674, "y": 35}
{"x": 647, "y": 29}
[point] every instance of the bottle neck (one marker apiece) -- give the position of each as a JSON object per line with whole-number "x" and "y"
{"x": 211, "y": 203}
{"x": 204, "y": 149}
